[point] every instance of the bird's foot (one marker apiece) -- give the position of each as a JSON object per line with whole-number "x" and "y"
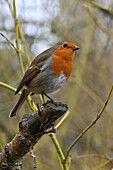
{"x": 44, "y": 94}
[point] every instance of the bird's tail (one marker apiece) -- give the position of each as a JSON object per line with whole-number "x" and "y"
{"x": 19, "y": 103}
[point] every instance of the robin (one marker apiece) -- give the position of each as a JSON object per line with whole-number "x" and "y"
{"x": 47, "y": 73}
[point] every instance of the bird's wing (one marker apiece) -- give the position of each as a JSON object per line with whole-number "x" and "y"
{"x": 29, "y": 75}
{"x": 34, "y": 68}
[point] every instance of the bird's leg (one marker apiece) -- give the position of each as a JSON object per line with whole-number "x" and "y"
{"x": 38, "y": 107}
{"x": 43, "y": 97}
{"x": 60, "y": 103}
{"x": 48, "y": 97}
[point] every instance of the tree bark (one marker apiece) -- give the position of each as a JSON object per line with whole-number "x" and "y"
{"x": 31, "y": 129}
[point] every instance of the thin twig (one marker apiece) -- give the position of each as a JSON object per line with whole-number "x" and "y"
{"x": 25, "y": 44}
{"x": 98, "y": 6}
{"x": 31, "y": 103}
{"x": 17, "y": 39}
{"x": 99, "y": 156}
{"x": 58, "y": 147}
{"x": 17, "y": 49}
{"x": 8, "y": 86}
{"x": 93, "y": 95}
{"x": 34, "y": 158}
{"x": 101, "y": 166}
{"x": 109, "y": 159}
{"x": 59, "y": 151}
{"x": 62, "y": 120}
{"x": 91, "y": 124}
{"x": 21, "y": 35}
{"x": 8, "y": 41}
{"x": 103, "y": 29}
{"x": 18, "y": 28}
{"x": 10, "y": 7}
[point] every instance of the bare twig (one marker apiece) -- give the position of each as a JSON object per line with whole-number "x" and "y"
{"x": 59, "y": 151}
{"x": 18, "y": 30}
{"x": 8, "y": 41}
{"x": 8, "y": 86}
{"x": 109, "y": 160}
{"x": 55, "y": 141}
{"x": 89, "y": 126}
{"x": 21, "y": 34}
{"x": 24, "y": 43}
{"x": 17, "y": 40}
{"x": 31, "y": 103}
{"x": 103, "y": 29}
{"x": 100, "y": 7}
{"x": 99, "y": 156}
{"x": 93, "y": 95}
{"x": 62, "y": 120}
{"x": 34, "y": 158}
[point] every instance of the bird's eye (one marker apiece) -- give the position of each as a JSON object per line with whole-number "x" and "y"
{"x": 65, "y": 45}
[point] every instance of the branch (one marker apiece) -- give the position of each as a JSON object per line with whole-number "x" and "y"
{"x": 8, "y": 41}
{"x": 98, "y": 156}
{"x": 31, "y": 129}
{"x": 31, "y": 103}
{"x": 25, "y": 44}
{"x": 21, "y": 34}
{"x": 95, "y": 18}
{"x": 91, "y": 124}
{"x": 7, "y": 86}
{"x": 100, "y": 7}
{"x": 18, "y": 31}
{"x": 93, "y": 95}
{"x": 17, "y": 39}
{"x": 58, "y": 149}
{"x": 62, "y": 120}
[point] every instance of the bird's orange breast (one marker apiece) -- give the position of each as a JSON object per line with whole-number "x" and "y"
{"x": 62, "y": 62}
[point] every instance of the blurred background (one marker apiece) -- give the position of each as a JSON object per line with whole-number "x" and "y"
{"x": 89, "y": 24}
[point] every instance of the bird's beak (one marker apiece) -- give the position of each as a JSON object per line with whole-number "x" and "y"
{"x": 75, "y": 48}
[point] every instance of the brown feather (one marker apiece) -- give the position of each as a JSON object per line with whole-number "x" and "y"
{"x": 44, "y": 75}
{"x": 20, "y": 102}
{"x": 36, "y": 64}
{"x": 29, "y": 75}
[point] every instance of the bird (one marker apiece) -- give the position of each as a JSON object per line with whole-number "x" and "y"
{"x": 47, "y": 73}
